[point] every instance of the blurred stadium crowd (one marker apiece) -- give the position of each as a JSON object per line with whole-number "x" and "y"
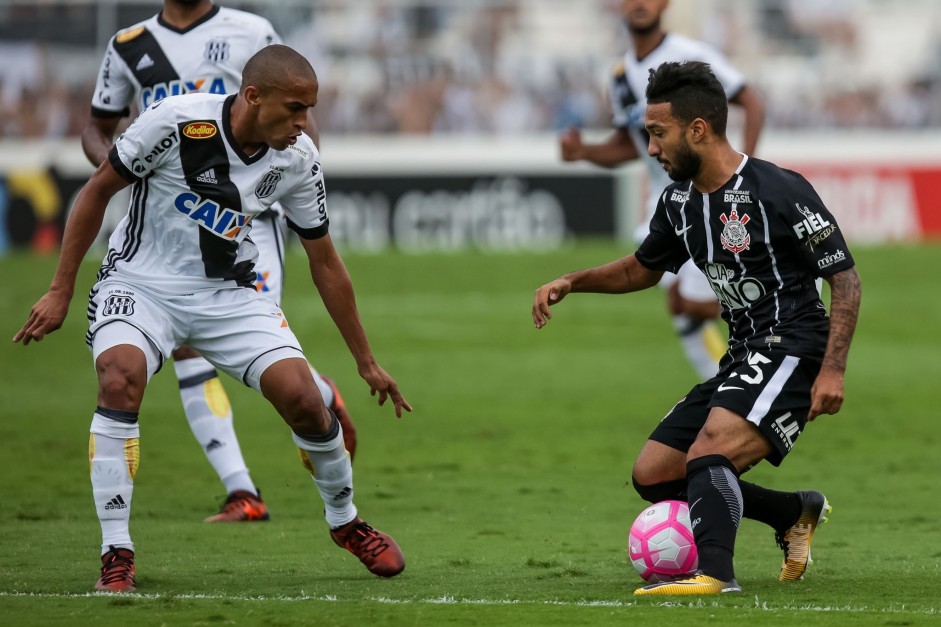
{"x": 508, "y": 66}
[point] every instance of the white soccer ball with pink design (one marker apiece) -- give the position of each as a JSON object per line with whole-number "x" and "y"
{"x": 661, "y": 544}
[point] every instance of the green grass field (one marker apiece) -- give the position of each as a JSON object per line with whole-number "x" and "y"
{"x": 507, "y": 486}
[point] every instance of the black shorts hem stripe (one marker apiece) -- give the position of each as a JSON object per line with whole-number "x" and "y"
{"x": 252, "y": 362}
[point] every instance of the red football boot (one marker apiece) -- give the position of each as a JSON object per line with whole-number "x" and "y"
{"x": 241, "y": 506}
{"x": 376, "y": 550}
{"x": 117, "y": 571}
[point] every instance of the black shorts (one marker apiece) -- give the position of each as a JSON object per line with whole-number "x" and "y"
{"x": 770, "y": 390}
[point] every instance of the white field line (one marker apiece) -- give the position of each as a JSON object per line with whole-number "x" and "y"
{"x": 450, "y": 600}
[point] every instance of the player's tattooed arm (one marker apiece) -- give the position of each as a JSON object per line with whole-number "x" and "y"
{"x": 845, "y": 296}
{"x": 826, "y": 395}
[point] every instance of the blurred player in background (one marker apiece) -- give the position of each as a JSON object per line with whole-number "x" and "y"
{"x": 690, "y": 300}
{"x": 763, "y": 237}
{"x": 180, "y": 268}
{"x": 196, "y": 46}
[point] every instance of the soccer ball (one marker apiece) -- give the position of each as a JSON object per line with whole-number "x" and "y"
{"x": 661, "y": 544}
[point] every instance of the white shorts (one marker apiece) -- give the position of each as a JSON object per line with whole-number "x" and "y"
{"x": 268, "y": 233}
{"x": 693, "y": 283}
{"x": 236, "y": 329}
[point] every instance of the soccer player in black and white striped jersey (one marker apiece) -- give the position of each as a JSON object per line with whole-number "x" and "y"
{"x": 195, "y": 46}
{"x": 761, "y": 236}
{"x": 180, "y": 269}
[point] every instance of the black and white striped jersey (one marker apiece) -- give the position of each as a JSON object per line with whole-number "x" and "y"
{"x": 628, "y": 100}
{"x": 762, "y": 240}
{"x": 195, "y": 193}
{"x": 152, "y": 59}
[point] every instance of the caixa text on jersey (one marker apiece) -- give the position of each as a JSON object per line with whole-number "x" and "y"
{"x": 225, "y": 223}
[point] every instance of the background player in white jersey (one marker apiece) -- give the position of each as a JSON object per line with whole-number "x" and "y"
{"x": 180, "y": 268}
{"x": 195, "y": 46}
{"x": 689, "y": 298}
{"x": 763, "y": 237}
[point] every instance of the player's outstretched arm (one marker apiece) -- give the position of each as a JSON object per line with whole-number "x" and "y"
{"x": 618, "y": 277}
{"x": 84, "y": 222}
{"x": 826, "y": 395}
{"x": 336, "y": 290}
{"x": 615, "y": 150}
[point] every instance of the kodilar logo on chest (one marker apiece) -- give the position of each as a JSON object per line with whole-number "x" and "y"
{"x": 735, "y": 237}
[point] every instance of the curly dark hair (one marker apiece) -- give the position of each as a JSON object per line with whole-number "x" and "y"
{"x": 693, "y": 91}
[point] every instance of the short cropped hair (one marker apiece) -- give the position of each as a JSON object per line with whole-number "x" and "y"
{"x": 272, "y": 65}
{"x": 692, "y": 90}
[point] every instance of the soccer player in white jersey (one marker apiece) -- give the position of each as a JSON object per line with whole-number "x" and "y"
{"x": 180, "y": 269}
{"x": 690, "y": 300}
{"x": 195, "y": 46}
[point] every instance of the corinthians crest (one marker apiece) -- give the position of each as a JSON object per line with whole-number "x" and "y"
{"x": 735, "y": 237}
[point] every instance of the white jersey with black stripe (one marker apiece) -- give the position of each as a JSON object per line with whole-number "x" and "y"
{"x": 628, "y": 100}
{"x": 152, "y": 59}
{"x": 195, "y": 193}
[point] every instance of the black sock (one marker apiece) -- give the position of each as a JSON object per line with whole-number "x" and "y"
{"x": 778, "y": 510}
{"x": 715, "y": 504}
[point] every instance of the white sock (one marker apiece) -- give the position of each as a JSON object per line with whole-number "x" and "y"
{"x": 329, "y": 464}
{"x": 113, "y": 456}
{"x": 209, "y": 415}
{"x": 698, "y": 344}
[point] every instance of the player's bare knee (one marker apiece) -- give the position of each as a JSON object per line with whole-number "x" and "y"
{"x": 732, "y": 437}
{"x": 305, "y": 413}
{"x": 655, "y": 482}
{"x": 646, "y": 474}
{"x": 120, "y": 385}
{"x": 658, "y": 463}
{"x": 709, "y": 442}
{"x": 661, "y": 490}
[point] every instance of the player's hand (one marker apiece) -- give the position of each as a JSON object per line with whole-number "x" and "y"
{"x": 45, "y": 317}
{"x": 826, "y": 395}
{"x": 385, "y": 386}
{"x": 570, "y": 145}
{"x": 547, "y": 295}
